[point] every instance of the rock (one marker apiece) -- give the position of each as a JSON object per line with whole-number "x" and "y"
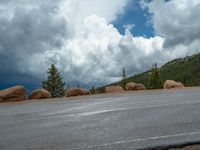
{"x": 73, "y": 92}
{"x": 169, "y": 84}
{"x": 76, "y": 92}
{"x": 113, "y": 89}
{"x": 85, "y": 92}
{"x": 12, "y": 94}
{"x": 140, "y": 87}
{"x": 131, "y": 86}
{"x": 40, "y": 94}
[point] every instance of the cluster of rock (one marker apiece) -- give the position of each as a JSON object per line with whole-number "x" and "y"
{"x": 18, "y": 93}
{"x": 131, "y": 86}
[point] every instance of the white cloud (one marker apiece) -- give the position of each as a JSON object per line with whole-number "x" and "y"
{"x": 176, "y": 20}
{"x": 79, "y": 9}
{"x": 78, "y": 37}
{"x": 99, "y": 52}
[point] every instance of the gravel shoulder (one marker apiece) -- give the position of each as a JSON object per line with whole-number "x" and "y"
{"x": 192, "y": 147}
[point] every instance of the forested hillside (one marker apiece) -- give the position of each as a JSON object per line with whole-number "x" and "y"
{"x": 185, "y": 70}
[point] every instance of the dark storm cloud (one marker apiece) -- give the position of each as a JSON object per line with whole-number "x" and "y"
{"x": 27, "y": 32}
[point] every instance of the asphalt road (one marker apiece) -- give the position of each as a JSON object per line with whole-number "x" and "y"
{"x": 103, "y": 122}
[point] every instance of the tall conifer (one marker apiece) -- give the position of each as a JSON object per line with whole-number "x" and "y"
{"x": 54, "y": 83}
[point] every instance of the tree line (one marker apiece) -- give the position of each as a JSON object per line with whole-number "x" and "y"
{"x": 185, "y": 70}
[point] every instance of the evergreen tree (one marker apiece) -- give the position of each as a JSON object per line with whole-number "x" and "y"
{"x": 93, "y": 90}
{"x": 155, "y": 79}
{"x": 123, "y": 81}
{"x": 54, "y": 83}
{"x": 123, "y": 73}
{"x": 68, "y": 86}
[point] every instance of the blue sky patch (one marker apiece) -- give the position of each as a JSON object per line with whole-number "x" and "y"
{"x": 135, "y": 15}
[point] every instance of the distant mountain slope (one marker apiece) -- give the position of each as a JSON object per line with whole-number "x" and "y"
{"x": 185, "y": 70}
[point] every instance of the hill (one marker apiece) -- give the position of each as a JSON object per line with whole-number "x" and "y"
{"x": 185, "y": 70}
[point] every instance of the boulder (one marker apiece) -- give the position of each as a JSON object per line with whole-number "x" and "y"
{"x": 113, "y": 89}
{"x": 40, "y": 94}
{"x": 140, "y": 87}
{"x": 85, "y": 92}
{"x": 169, "y": 84}
{"x": 76, "y": 92}
{"x": 131, "y": 86}
{"x": 73, "y": 92}
{"x": 12, "y": 94}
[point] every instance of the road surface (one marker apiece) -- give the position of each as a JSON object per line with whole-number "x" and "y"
{"x": 132, "y": 120}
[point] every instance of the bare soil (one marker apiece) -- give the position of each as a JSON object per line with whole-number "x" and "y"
{"x": 193, "y": 147}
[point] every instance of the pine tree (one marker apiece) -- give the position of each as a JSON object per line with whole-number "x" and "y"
{"x": 123, "y": 81}
{"x": 68, "y": 86}
{"x": 155, "y": 79}
{"x": 93, "y": 90}
{"x": 123, "y": 73}
{"x": 54, "y": 83}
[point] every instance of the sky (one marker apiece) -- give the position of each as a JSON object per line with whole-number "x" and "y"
{"x": 90, "y": 41}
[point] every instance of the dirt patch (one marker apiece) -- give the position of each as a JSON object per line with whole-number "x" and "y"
{"x": 193, "y": 147}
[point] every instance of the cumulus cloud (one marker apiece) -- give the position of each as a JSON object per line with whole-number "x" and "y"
{"x": 35, "y": 34}
{"x": 176, "y": 20}
{"x": 77, "y": 36}
{"x": 99, "y": 53}
{"x": 79, "y": 9}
